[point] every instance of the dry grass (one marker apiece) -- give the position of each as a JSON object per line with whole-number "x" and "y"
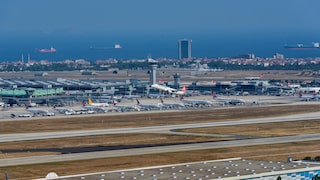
{"x": 265, "y": 129}
{"x": 105, "y": 140}
{"x": 278, "y": 152}
{"x": 268, "y": 152}
{"x": 149, "y": 119}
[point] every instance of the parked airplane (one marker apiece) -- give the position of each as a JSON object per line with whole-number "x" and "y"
{"x": 156, "y": 96}
{"x": 2, "y": 104}
{"x": 66, "y": 111}
{"x": 124, "y": 108}
{"x": 308, "y": 98}
{"x": 106, "y": 100}
{"x": 148, "y": 106}
{"x": 91, "y": 103}
{"x": 115, "y": 99}
{"x": 25, "y": 115}
{"x": 182, "y": 91}
{"x": 231, "y": 101}
{"x": 172, "y": 105}
{"x": 95, "y": 109}
{"x": 40, "y": 112}
{"x": 196, "y": 102}
{"x": 131, "y": 96}
{"x": 169, "y": 89}
{"x": 30, "y": 104}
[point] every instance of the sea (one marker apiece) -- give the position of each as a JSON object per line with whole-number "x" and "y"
{"x": 91, "y": 48}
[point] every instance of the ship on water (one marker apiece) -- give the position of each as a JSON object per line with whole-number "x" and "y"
{"x": 51, "y": 50}
{"x": 314, "y": 45}
{"x": 116, "y": 46}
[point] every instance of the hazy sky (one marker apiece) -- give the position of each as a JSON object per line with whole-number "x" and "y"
{"x": 88, "y": 17}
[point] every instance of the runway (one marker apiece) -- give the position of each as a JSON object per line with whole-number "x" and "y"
{"x": 152, "y": 129}
{"x": 154, "y": 150}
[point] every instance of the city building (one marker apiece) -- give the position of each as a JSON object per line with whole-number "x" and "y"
{"x": 278, "y": 56}
{"x": 184, "y": 48}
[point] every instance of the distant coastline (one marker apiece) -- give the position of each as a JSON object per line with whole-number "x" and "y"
{"x": 137, "y": 48}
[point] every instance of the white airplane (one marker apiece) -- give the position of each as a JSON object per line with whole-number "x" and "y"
{"x": 308, "y": 98}
{"x": 95, "y": 109}
{"x": 149, "y": 106}
{"x": 25, "y": 115}
{"x": 130, "y": 96}
{"x": 2, "y": 104}
{"x": 66, "y": 111}
{"x": 182, "y": 91}
{"x": 40, "y": 112}
{"x": 30, "y": 104}
{"x": 169, "y": 89}
{"x": 172, "y": 105}
{"x": 124, "y": 108}
{"x": 91, "y": 103}
{"x": 231, "y": 101}
{"x": 196, "y": 102}
{"x": 155, "y": 96}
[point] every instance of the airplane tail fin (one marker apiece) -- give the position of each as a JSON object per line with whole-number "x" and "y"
{"x": 184, "y": 88}
{"x": 114, "y": 102}
{"x": 90, "y": 101}
{"x": 214, "y": 95}
{"x": 161, "y": 100}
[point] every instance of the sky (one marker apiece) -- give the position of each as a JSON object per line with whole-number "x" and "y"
{"x": 123, "y": 17}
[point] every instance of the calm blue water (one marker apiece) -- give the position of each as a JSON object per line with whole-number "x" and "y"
{"x": 136, "y": 47}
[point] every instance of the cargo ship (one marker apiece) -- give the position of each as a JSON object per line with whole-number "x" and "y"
{"x": 314, "y": 45}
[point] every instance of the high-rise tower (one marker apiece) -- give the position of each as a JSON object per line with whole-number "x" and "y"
{"x": 184, "y": 48}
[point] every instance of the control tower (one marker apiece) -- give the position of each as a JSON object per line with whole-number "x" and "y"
{"x": 153, "y": 64}
{"x": 176, "y": 80}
